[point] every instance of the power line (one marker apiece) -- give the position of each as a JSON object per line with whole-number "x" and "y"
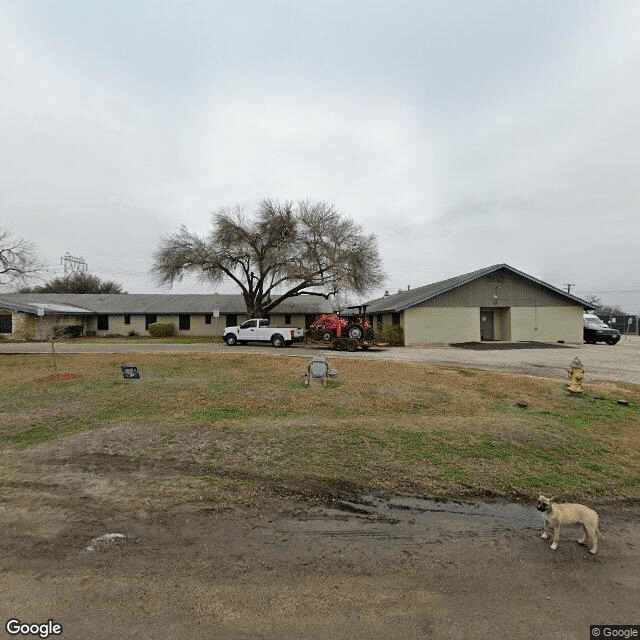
{"x": 594, "y": 292}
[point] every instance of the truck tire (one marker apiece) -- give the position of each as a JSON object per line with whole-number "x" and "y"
{"x": 277, "y": 340}
{"x": 231, "y": 339}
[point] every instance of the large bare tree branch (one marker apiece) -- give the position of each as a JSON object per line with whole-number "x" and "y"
{"x": 19, "y": 260}
{"x": 283, "y": 250}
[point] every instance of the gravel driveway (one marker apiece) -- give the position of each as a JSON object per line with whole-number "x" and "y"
{"x": 602, "y": 363}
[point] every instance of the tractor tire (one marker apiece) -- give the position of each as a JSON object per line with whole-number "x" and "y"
{"x": 339, "y": 345}
{"x": 352, "y": 345}
{"x": 356, "y": 332}
{"x": 327, "y": 336}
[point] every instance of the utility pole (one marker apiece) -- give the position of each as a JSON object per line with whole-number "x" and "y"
{"x": 569, "y": 286}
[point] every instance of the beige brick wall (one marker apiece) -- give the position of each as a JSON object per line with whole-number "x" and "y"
{"x": 441, "y": 325}
{"x": 546, "y": 324}
{"x": 118, "y": 327}
{"x": 297, "y": 320}
{"x": 198, "y": 325}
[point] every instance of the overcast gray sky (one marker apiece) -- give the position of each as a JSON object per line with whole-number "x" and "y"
{"x": 463, "y": 134}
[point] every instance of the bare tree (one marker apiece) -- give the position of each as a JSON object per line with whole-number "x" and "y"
{"x": 594, "y": 300}
{"x": 51, "y": 329}
{"x": 608, "y": 310}
{"x": 19, "y": 261}
{"x": 283, "y": 250}
{"x": 604, "y": 309}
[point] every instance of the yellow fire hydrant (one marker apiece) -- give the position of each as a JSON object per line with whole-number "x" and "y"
{"x": 576, "y": 376}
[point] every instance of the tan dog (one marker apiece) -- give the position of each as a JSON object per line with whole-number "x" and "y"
{"x": 558, "y": 515}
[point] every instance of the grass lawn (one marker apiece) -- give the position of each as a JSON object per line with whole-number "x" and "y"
{"x": 208, "y": 426}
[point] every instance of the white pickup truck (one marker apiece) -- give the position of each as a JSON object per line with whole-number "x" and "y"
{"x": 258, "y": 330}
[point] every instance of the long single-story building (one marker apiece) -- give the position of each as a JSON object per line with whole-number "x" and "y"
{"x": 495, "y": 303}
{"x": 33, "y": 316}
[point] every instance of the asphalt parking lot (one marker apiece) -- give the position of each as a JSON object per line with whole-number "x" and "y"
{"x": 602, "y": 362}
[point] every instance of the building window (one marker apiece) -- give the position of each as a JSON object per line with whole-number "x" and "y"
{"x": 150, "y": 318}
{"x": 287, "y": 318}
{"x": 232, "y": 319}
{"x": 127, "y": 318}
{"x": 184, "y": 322}
{"x": 207, "y": 318}
{"x": 6, "y": 324}
{"x": 103, "y": 323}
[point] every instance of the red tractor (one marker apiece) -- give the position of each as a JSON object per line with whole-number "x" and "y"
{"x": 345, "y": 331}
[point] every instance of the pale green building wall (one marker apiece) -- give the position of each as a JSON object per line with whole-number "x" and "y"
{"x": 546, "y": 324}
{"x": 433, "y": 325}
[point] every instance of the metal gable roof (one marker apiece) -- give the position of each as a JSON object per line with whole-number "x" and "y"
{"x": 88, "y": 304}
{"x": 32, "y": 303}
{"x": 406, "y": 299}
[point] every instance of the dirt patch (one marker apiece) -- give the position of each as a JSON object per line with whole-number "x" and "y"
{"x": 357, "y": 566}
{"x": 62, "y": 376}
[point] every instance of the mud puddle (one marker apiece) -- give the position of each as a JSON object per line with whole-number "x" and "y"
{"x": 384, "y": 520}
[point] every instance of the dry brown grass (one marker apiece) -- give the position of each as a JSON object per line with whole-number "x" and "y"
{"x": 230, "y": 426}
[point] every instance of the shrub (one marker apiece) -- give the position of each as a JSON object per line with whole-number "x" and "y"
{"x": 392, "y": 335}
{"x": 161, "y": 329}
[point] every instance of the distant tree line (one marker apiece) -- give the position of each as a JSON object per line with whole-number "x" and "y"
{"x": 76, "y": 283}
{"x": 605, "y": 310}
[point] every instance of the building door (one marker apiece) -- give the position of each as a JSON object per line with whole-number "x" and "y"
{"x": 486, "y": 324}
